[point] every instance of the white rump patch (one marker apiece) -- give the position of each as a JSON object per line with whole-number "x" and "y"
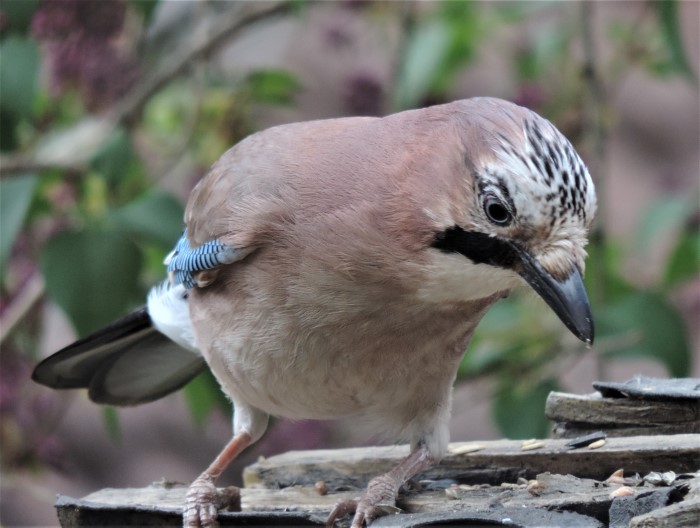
{"x": 170, "y": 314}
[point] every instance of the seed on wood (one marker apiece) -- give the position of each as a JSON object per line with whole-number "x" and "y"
{"x": 622, "y": 491}
{"x": 463, "y": 449}
{"x": 535, "y": 487}
{"x": 529, "y": 445}
{"x": 596, "y": 444}
{"x": 321, "y": 487}
{"x": 583, "y": 441}
{"x": 669, "y": 477}
{"x": 616, "y": 478}
{"x": 653, "y": 478}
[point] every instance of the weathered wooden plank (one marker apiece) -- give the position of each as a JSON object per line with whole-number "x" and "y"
{"x": 498, "y": 461}
{"x": 684, "y": 514}
{"x": 582, "y": 502}
{"x": 594, "y": 409}
{"x": 573, "y": 429}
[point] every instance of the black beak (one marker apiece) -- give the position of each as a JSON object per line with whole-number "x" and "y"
{"x": 566, "y": 297}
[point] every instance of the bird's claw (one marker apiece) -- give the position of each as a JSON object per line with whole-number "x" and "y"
{"x": 379, "y": 500}
{"x": 204, "y": 500}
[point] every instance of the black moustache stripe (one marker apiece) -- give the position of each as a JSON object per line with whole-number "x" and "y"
{"x": 480, "y": 248}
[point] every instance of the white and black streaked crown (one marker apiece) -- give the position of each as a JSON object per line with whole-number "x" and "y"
{"x": 541, "y": 175}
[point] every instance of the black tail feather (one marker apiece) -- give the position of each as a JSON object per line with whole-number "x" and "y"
{"x": 126, "y": 363}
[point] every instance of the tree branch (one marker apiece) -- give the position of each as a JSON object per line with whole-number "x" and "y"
{"x": 18, "y": 165}
{"x": 230, "y": 23}
{"x": 21, "y": 305}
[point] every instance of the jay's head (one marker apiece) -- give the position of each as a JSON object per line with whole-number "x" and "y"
{"x": 529, "y": 204}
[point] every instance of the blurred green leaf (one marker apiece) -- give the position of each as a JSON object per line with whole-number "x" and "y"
{"x": 604, "y": 264}
{"x": 18, "y": 14}
{"x": 203, "y": 394}
{"x": 667, "y": 12}
{"x": 145, "y": 7}
{"x": 273, "y": 86}
{"x": 113, "y": 159}
{"x": 519, "y": 409}
{"x": 684, "y": 262}
{"x": 662, "y": 218}
{"x": 9, "y": 138}
{"x": 156, "y": 216}
{"x": 463, "y": 24}
{"x": 18, "y": 75}
{"x": 645, "y": 325}
{"x": 425, "y": 51}
{"x": 92, "y": 275}
{"x": 486, "y": 350}
{"x": 535, "y": 59}
{"x": 110, "y": 417}
{"x": 15, "y": 197}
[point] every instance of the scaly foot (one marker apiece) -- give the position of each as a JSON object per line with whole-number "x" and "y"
{"x": 378, "y": 500}
{"x": 204, "y": 501}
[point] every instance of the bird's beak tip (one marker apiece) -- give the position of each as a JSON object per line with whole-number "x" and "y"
{"x": 567, "y": 297}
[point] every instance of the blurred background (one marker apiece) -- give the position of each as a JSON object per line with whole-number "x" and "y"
{"x": 111, "y": 110}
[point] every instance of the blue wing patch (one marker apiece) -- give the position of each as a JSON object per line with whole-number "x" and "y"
{"x": 184, "y": 262}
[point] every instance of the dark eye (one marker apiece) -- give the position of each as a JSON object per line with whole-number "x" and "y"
{"x": 496, "y": 211}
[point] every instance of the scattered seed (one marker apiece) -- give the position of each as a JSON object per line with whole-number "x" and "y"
{"x": 463, "y": 449}
{"x": 597, "y": 444}
{"x": 616, "y": 478}
{"x": 622, "y": 491}
{"x": 529, "y": 445}
{"x": 669, "y": 477}
{"x": 535, "y": 487}
{"x": 321, "y": 487}
{"x": 453, "y": 493}
{"x": 510, "y": 485}
{"x": 583, "y": 441}
{"x": 653, "y": 478}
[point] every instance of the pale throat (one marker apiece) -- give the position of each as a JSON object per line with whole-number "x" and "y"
{"x": 451, "y": 277}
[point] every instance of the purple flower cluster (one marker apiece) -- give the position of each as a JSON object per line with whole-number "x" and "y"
{"x": 80, "y": 41}
{"x": 26, "y": 416}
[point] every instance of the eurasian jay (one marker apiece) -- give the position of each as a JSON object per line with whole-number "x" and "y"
{"x": 338, "y": 268}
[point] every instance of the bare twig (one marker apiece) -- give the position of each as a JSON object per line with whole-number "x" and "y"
{"x": 18, "y": 165}
{"x": 229, "y": 24}
{"x": 21, "y": 305}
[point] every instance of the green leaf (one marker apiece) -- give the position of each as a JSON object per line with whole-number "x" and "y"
{"x": 462, "y": 25}
{"x": 9, "y": 136}
{"x": 645, "y": 325}
{"x": 427, "y": 46}
{"x": 603, "y": 280}
{"x": 110, "y": 417}
{"x": 18, "y": 75}
{"x": 684, "y": 262}
{"x": 15, "y": 197}
{"x": 92, "y": 275}
{"x": 662, "y": 218}
{"x": 667, "y": 11}
{"x": 203, "y": 394}
{"x": 273, "y": 86}
{"x": 18, "y": 14}
{"x": 156, "y": 216}
{"x": 519, "y": 409}
{"x": 114, "y": 157}
{"x": 146, "y": 8}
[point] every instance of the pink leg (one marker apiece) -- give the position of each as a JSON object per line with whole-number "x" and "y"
{"x": 381, "y": 493}
{"x": 203, "y": 499}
